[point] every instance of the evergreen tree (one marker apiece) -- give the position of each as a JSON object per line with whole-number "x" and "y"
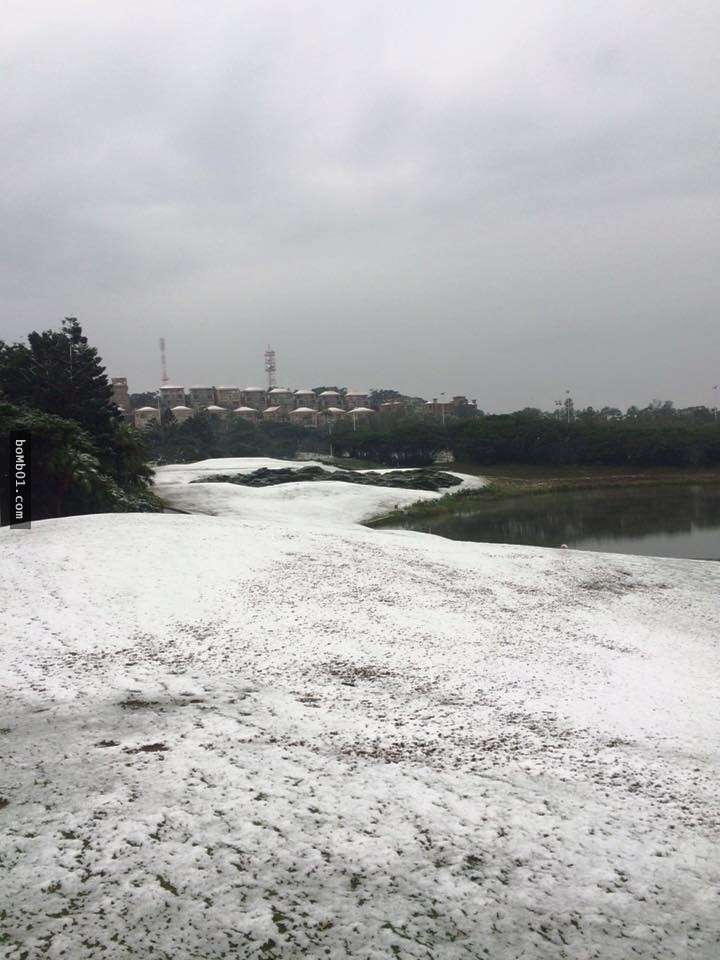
{"x": 57, "y": 383}
{"x": 66, "y": 474}
{"x": 59, "y": 373}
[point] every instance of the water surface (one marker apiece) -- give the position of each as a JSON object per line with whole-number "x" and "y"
{"x": 662, "y": 521}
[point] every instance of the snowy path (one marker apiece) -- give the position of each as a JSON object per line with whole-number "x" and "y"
{"x": 270, "y": 732}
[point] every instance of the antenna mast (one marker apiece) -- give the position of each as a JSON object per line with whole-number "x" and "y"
{"x": 163, "y": 361}
{"x": 270, "y": 367}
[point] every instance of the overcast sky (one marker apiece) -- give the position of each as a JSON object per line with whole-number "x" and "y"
{"x": 504, "y": 199}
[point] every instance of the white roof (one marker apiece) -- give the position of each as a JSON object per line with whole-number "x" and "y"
{"x": 280, "y": 390}
{"x": 309, "y": 393}
{"x": 356, "y": 393}
{"x": 244, "y": 410}
{"x": 214, "y": 406}
{"x": 181, "y": 406}
{"x": 335, "y": 410}
{"x": 167, "y": 386}
{"x": 145, "y": 409}
{"x": 302, "y": 410}
{"x": 254, "y": 390}
{"x": 271, "y": 409}
{"x": 329, "y": 393}
{"x": 361, "y": 410}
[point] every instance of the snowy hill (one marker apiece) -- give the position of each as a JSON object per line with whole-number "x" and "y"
{"x": 265, "y": 731}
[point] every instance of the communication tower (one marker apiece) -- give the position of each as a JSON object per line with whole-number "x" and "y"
{"x": 163, "y": 361}
{"x": 270, "y": 367}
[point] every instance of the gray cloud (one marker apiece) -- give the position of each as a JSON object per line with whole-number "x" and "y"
{"x": 503, "y": 200}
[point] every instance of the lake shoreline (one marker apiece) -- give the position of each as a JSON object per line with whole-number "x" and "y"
{"x": 514, "y": 484}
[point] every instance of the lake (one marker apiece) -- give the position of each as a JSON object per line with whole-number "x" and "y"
{"x": 680, "y": 520}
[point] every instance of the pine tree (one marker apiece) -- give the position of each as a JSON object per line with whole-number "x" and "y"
{"x": 59, "y": 377}
{"x": 59, "y": 373}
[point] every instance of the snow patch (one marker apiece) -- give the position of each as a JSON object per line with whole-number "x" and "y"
{"x": 264, "y": 730}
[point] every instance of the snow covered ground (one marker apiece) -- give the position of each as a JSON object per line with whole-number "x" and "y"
{"x": 263, "y": 730}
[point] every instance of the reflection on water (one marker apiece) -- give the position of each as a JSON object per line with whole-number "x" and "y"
{"x": 662, "y": 521}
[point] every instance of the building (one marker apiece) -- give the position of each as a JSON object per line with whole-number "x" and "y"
{"x": 329, "y": 398}
{"x": 145, "y": 416}
{"x": 360, "y": 415}
{"x": 121, "y": 397}
{"x": 247, "y": 413}
{"x": 181, "y": 413}
{"x": 462, "y": 407}
{"x": 273, "y": 413}
{"x": 354, "y": 398}
{"x": 281, "y": 397}
{"x": 304, "y": 416}
{"x": 459, "y": 406}
{"x": 305, "y": 398}
{"x": 257, "y": 403}
{"x": 395, "y": 408}
{"x": 437, "y": 408}
{"x": 253, "y": 397}
{"x": 228, "y": 397}
{"x": 171, "y": 396}
{"x": 201, "y": 397}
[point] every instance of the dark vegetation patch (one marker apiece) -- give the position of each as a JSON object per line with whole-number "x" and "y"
{"x": 609, "y": 585}
{"x": 434, "y": 480}
{"x": 157, "y": 704}
{"x": 394, "y": 751}
{"x": 350, "y": 673}
{"x": 3, "y": 802}
{"x": 107, "y": 743}
{"x": 166, "y": 885}
{"x": 148, "y": 748}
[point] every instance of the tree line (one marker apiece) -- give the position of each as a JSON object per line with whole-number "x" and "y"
{"x": 85, "y": 457}
{"x": 204, "y": 437}
{"x": 640, "y": 441}
{"x": 524, "y": 437}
